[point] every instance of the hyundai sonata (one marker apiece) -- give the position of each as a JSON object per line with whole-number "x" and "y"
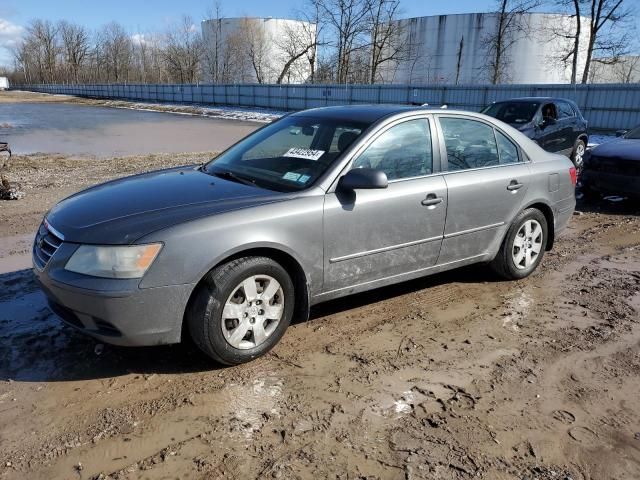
{"x": 318, "y": 205}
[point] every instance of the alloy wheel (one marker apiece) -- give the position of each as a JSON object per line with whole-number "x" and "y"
{"x": 252, "y": 312}
{"x": 527, "y": 244}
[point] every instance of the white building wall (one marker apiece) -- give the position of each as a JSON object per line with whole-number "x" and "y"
{"x": 434, "y": 43}
{"x": 232, "y": 36}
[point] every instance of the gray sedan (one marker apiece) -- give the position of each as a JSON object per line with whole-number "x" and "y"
{"x": 318, "y": 205}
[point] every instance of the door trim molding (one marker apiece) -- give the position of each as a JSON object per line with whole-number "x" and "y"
{"x": 351, "y": 256}
{"x": 473, "y": 230}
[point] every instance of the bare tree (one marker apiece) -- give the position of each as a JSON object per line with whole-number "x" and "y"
{"x": 599, "y": 32}
{"x": 606, "y": 16}
{"x": 567, "y": 35}
{"x": 389, "y": 44}
{"x": 256, "y": 48}
{"x": 213, "y": 50}
{"x": 75, "y": 45}
{"x": 511, "y": 26}
{"x": 183, "y": 51}
{"x": 628, "y": 70}
{"x": 44, "y": 44}
{"x": 348, "y": 21}
{"x": 114, "y": 52}
{"x": 299, "y": 41}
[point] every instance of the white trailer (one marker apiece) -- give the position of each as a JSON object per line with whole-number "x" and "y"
{"x": 4, "y": 83}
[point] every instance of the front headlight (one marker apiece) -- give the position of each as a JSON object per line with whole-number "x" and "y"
{"x": 131, "y": 261}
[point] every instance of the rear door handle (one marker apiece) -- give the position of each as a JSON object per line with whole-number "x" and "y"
{"x": 432, "y": 200}
{"x": 514, "y": 186}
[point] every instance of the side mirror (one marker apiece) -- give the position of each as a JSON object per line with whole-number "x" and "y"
{"x": 621, "y": 133}
{"x": 363, "y": 178}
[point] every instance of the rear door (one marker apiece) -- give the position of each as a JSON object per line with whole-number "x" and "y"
{"x": 486, "y": 182}
{"x": 375, "y": 234}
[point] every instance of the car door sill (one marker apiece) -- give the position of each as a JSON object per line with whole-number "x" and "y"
{"x": 400, "y": 277}
{"x": 351, "y": 256}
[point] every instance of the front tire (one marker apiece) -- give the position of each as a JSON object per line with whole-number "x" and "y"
{"x": 523, "y": 248}
{"x": 241, "y": 309}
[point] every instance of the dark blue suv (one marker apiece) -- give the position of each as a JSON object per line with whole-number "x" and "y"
{"x": 556, "y": 124}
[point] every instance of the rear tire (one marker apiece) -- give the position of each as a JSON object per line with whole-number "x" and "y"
{"x": 241, "y": 309}
{"x": 577, "y": 155}
{"x": 523, "y": 247}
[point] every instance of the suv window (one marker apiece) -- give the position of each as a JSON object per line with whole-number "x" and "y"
{"x": 403, "y": 151}
{"x": 470, "y": 144}
{"x": 565, "y": 110}
{"x": 507, "y": 149}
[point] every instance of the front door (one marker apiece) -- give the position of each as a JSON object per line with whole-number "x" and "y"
{"x": 486, "y": 182}
{"x": 376, "y": 234}
{"x": 551, "y": 130}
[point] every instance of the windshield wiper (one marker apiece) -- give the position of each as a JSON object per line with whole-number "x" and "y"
{"x": 227, "y": 175}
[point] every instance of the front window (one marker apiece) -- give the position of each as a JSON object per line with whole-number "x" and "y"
{"x": 514, "y": 113}
{"x": 403, "y": 151}
{"x": 289, "y": 155}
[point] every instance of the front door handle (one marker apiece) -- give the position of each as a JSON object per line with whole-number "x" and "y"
{"x": 514, "y": 186}
{"x": 432, "y": 201}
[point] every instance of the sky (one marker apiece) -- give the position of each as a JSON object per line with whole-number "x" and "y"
{"x": 152, "y": 15}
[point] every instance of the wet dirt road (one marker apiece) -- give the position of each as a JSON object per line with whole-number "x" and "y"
{"x": 455, "y": 376}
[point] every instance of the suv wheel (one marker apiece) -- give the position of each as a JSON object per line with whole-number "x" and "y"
{"x": 523, "y": 247}
{"x": 577, "y": 157}
{"x": 241, "y": 310}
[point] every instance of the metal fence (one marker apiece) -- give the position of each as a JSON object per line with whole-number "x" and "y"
{"x": 605, "y": 106}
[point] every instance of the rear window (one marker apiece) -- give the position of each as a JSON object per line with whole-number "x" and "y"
{"x": 470, "y": 144}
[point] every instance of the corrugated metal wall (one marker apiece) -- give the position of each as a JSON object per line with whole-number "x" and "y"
{"x": 606, "y": 107}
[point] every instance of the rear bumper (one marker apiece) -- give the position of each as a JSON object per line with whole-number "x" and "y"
{"x": 134, "y": 317}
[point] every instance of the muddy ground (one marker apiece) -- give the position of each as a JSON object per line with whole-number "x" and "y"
{"x": 455, "y": 376}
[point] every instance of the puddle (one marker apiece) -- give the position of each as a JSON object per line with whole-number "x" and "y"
{"x": 15, "y": 253}
{"x": 517, "y": 308}
{"x": 101, "y": 131}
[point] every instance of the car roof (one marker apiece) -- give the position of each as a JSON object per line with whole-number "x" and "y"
{"x": 363, "y": 113}
{"x": 533, "y": 99}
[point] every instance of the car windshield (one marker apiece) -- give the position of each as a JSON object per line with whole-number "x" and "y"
{"x": 515, "y": 113}
{"x": 288, "y": 155}
{"x": 633, "y": 134}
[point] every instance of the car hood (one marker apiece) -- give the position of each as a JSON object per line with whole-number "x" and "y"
{"x": 623, "y": 149}
{"x": 122, "y": 211}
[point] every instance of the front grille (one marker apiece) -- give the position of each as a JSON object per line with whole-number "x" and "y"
{"x": 45, "y": 245}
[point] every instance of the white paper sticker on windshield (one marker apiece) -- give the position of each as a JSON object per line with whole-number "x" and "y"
{"x": 305, "y": 153}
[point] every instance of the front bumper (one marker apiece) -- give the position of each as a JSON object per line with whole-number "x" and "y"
{"x": 114, "y": 311}
{"x": 612, "y": 183}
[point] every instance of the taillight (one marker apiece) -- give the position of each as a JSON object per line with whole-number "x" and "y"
{"x": 574, "y": 175}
